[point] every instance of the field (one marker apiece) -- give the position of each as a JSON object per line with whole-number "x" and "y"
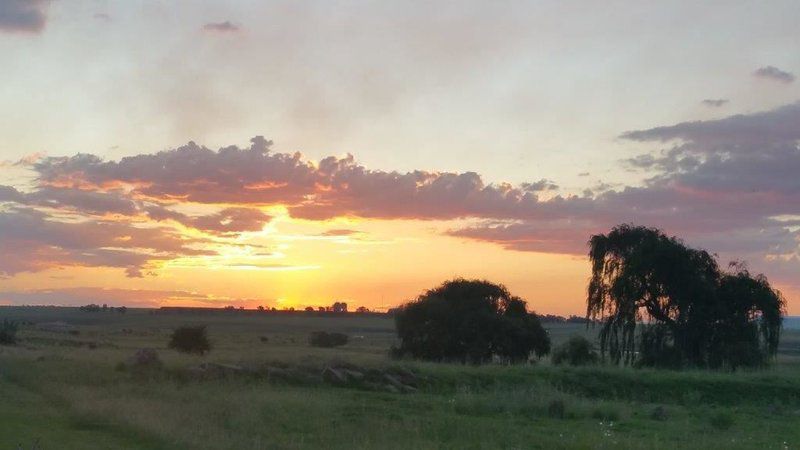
{"x": 70, "y": 388}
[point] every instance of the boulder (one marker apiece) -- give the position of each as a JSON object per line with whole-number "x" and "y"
{"x": 334, "y": 375}
{"x": 145, "y": 358}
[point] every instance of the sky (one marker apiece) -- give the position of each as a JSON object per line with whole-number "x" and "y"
{"x": 293, "y": 153}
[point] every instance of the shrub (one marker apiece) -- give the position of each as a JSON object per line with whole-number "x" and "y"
{"x": 264, "y": 339}
{"x": 325, "y": 339}
{"x": 8, "y": 332}
{"x": 190, "y": 340}
{"x": 577, "y": 351}
{"x": 721, "y": 421}
{"x": 556, "y": 409}
{"x": 469, "y": 321}
{"x": 145, "y": 359}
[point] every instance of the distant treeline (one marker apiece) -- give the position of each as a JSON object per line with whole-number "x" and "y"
{"x": 322, "y": 311}
{"x": 552, "y": 318}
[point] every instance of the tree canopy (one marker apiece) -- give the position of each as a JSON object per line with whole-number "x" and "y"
{"x": 469, "y": 321}
{"x": 689, "y": 311}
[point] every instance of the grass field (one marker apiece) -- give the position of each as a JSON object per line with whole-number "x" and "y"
{"x": 64, "y": 390}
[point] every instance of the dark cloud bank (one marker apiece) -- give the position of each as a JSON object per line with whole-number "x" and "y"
{"x": 27, "y": 16}
{"x": 729, "y": 185}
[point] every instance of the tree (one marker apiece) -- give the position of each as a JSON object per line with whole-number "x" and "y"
{"x": 679, "y": 294}
{"x": 577, "y": 351}
{"x": 8, "y": 332}
{"x": 325, "y": 339}
{"x": 469, "y": 321}
{"x": 190, "y": 340}
{"x": 748, "y": 329}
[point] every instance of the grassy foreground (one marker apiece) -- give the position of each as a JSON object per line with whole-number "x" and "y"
{"x": 67, "y": 390}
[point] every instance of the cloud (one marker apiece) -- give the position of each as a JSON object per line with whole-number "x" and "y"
{"x": 538, "y": 186}
{"x": 727, "y": 184}
{"x": 738, "y": 133}
{"x": 39, "y": 242}
{"x": 141, "y": 298}
{"x": 102, "y": 16}
{"x": 773, "y": 73}
{"x": 338, "y": 232}
{"x": 28, "y": 16}
{"x": 221, "y": 27}
{"x": 715, "y": 102}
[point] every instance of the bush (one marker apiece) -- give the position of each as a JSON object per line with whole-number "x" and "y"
{"x": 325, "y": 339}
{"x": 721, "y": 421}
{"x": 556, "y": 409}
{"x": 145, "y": 359}
{"x": 190, "y": 340}
{"x": 469, "y": 321}
{"x": 8, "y": 332}
{"x": 577, "y": 351}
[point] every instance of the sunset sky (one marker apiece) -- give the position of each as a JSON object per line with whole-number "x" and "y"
{"x": 295, "y": 153}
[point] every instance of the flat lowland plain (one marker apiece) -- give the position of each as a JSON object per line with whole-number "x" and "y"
{"x": 262, "y": 387}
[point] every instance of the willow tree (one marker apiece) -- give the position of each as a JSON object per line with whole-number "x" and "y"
{"x": 688, "y": 311}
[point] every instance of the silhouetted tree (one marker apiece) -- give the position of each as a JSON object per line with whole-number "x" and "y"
{"x": 190, "y": 340}
{"x": 687, "y": 306}
{"x": 469, "y": 321}
{"x": 749, "y": 319}
{"x": 325, "y": 339}
{"x": 576, "y": 351}
{"x": 8, "y": 332}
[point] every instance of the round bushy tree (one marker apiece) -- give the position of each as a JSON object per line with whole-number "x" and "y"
{"x": 469, "y": 321}
{"x": 189, "y": 339}
{"x": 577, "y": 351}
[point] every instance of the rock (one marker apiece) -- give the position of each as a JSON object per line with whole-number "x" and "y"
{"x": 405, "y": 376}
{"x": 334, "y": 376}
{"x": 393, "y": 380}
{"x": 145, "y": 358}
{"x": 353, "y": 374}
{"x": 397, "y": 384}
{"x": 659, "y": 413}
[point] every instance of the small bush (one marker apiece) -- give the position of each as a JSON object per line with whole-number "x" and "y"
{"x": 190, "y": 340}
{"x": 721, "y": 421}
{"x": 577, "y": 351}
{"x": 325, "y": 339}
{"x": 659, "y": 413}
{"x": 8, "y": 332}
{"x": 264, "y": 339}
{"x": 556, "y": 409}
{"x": 606, "y": 414}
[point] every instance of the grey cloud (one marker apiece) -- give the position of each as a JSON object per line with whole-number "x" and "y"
{"x": 23, "y": 15}
{"x": 715, "y": 102}
{"x": 538, "y": 186}
{"x": 38, "y": 242}
{"x": 221, "y": 27}
{"x": 773, "y": 73}
{"x": 736, "y": 133}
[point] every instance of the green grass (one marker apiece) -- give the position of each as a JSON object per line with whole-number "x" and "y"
{"x": 61, "y": 392}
